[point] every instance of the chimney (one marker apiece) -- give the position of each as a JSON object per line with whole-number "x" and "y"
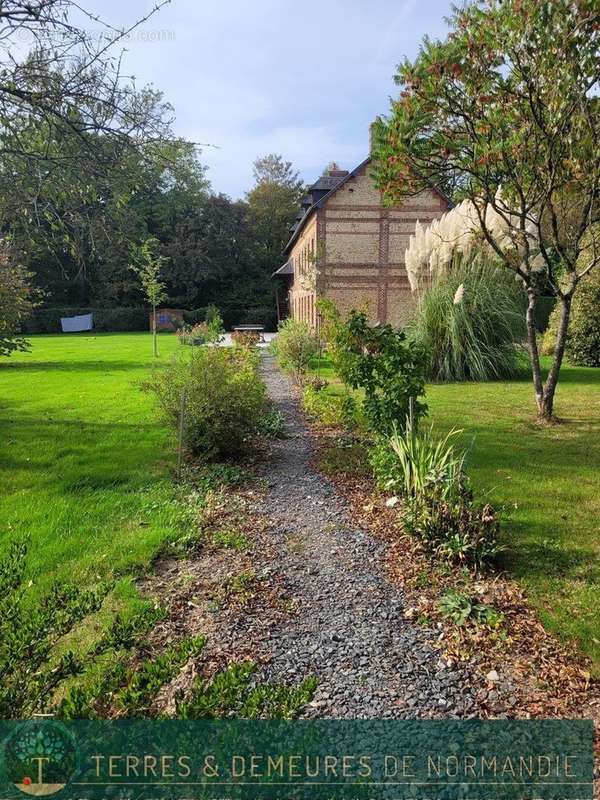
{"x": 338, "y": 173}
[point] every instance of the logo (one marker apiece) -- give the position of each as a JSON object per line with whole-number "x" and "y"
{"x": 40, "y": 757}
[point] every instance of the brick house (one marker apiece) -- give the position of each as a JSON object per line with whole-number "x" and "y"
{"x": 349, "y": 247}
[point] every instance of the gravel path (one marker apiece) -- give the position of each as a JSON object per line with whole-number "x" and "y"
{"x": 349, "y": 630}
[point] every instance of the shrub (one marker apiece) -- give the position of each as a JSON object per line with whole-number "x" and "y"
{"x": 548, "y": 341}
{"x": 15, "y": 303}
{"x": 225, "y": 399}
{"x": 386, "y": 365}
{"x": 583, "y": 342}
{"x": 469, "y": 322}
{"x": 202, "y": 332}
{"x": 295, "y": 345}
{"x": 583, "y": 337}
{"x": 245, "y": 339}
{"x": 329, "y": 409}
{"x": 119, "y": 318}
{"x": 454, "y": 528}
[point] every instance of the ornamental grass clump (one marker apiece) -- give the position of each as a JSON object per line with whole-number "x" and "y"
{"x": 470, "y": 322}
{"x": 437, "y": 501}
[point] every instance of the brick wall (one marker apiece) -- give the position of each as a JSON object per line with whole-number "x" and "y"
{"x": 302, "y": 296}
{"x": 359, "y": 247}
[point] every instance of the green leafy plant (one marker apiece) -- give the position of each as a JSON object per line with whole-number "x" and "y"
{"x": 272, "y": 423}
{"x": 330, "y": 409}
{"x": 438, "y": 505}
{"x": 224, "y": 399}
{"x": 386, "y": 365}
{"x": 295, "y": 345}
{"x": 147, "y": 264}
{"x": 230, "y": 540}
{"x": 130, "y": 687}
{"x": 410, "y": 461}
{"x": 454, "y": 528}
{"x": 583, "y": 336}
{"x": 231, "y": 694}
{"x": 469, "y": 322}
{"x": 461, "y": 608}
{"x": 29, "y": 632}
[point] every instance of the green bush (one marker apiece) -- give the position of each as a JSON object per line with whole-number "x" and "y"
{"x": 329, "y": 409}
{"x": 225, "y": 399}
{"x": 469, "y": 322}
{"x": 386, "y": 365}
{"x": 295, "y": 345}
{"x": 583, "y": 336}
{"x": 583, "y": 342}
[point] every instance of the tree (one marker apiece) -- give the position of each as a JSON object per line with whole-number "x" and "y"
{"x": 74, "y": 227}
{"x": 273, "y": 205}
{"x": 15, "y": 303}
{"x": 70, "y": 80}
{"x": 70, "y": 123}
{"x": 211, "y": 254}
{"x": 147, "y": 264}
{"x": 509, "y": 103}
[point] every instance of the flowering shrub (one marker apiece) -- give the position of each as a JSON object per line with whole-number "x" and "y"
{"x": 209, "y": 332}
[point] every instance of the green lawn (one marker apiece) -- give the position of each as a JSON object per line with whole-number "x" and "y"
{"x": 85, "y": 466}
{"x": 545, "y": 481}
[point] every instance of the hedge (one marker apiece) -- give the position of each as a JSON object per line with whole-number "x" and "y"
{"x": 122, "y": 318}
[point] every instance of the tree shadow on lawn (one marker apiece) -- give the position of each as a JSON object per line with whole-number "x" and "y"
{"x": 547, "y": 558}
{"x": 104, "y": 365}
{"x": 568, "y": 374}
{"x": 79, "y": 456}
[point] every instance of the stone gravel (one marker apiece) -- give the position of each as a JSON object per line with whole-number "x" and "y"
{"x": 348, "y": 630}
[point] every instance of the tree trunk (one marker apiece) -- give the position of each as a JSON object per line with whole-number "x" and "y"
{"x": 154, "y": 341}
{"x": 534, "y": 354}
{"x": 547, "y": 410}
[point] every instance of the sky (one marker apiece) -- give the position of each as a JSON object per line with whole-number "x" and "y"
{"x": 303, "y": 78}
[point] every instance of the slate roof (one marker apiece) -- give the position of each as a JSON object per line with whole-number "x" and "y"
{"x": 329, "y": 184}
{"x": 286, "y": 269}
